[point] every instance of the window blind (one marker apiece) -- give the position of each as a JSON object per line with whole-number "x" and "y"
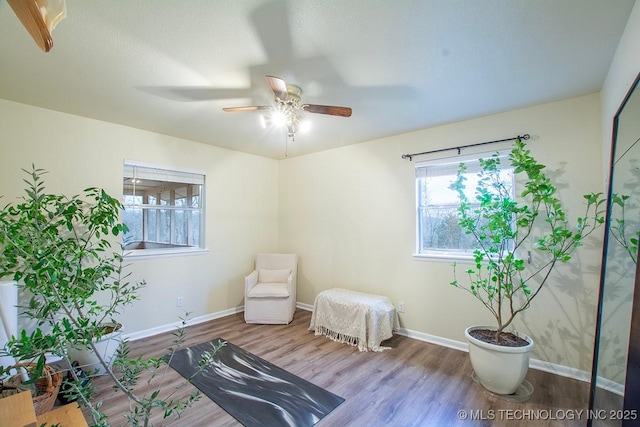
{"x": 158, "y": 174}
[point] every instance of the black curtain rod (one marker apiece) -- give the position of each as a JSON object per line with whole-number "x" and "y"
{"x": 411, "y": 156}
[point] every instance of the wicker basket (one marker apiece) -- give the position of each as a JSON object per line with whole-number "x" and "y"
{"x": 46, "y": 387}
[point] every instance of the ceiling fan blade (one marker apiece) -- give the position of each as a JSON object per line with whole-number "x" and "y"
{"x": 328, "y": 109}
{"x": 249, "y": 108}
{"x": 279, "y": 87}
{"x": 28, "y": 12}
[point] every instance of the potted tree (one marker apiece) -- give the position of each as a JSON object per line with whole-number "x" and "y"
{"x": 105, "y": 347}
{"x": 505, "y": 228}
{"x": 58, "y": 249}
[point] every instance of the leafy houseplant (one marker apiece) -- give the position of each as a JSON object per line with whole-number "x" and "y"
{"x": 504, "y": 227}
{"x": 59, "y": 250}
{"x": 628, "y": 239}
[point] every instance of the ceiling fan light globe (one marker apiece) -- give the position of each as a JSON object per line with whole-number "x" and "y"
{"x": 265, "y": 121}
{"x": 304, "y": 126}
{"x": 278, "y": 118}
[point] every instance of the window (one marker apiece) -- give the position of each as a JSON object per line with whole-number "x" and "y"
{"x": 438, "y": 232}
{"x": 163, "y": 209}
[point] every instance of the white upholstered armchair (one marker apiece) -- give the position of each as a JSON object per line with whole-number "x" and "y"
{"x": 270, "y": 290}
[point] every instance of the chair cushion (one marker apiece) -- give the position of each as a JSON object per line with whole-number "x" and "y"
{"x": 273, "y": 276}
{"x": 270, "y": 289}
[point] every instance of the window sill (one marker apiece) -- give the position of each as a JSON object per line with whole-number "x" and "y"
{"x": 162, "y": 253}
{"x": 464, "y": 259}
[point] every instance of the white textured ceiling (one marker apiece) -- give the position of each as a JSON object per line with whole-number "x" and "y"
{"x": 169, "y": 66}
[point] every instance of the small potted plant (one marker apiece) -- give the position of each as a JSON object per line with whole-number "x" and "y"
{"x": 505, "y": 228}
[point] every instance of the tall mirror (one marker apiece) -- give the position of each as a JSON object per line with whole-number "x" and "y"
{"x": 615, "y": 336}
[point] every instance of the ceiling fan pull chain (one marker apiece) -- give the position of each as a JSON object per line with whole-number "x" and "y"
{"x": 286, "y": 145}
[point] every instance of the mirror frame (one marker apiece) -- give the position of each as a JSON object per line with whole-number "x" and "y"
{"x": 603, "y": 267}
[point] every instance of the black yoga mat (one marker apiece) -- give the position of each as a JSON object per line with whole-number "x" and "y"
{"x": 254, "y": 391}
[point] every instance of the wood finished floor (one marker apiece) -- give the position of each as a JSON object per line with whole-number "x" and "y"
{"x": 413, "y": 384}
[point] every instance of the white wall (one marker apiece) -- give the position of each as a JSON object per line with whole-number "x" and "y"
{"x": 350, "y": 215}
{"x": 623, "y": 71}
{"x": 241, "y": 201}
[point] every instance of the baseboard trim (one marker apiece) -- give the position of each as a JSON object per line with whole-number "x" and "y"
{"x": 611, "y": 386}
{"x": 434, "y": 339}
{"x": 175, "y": 325}
{"x": 553, "y": 368}
{"x": 304, "y": 306}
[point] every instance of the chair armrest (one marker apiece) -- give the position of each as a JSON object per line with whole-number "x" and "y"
{"x": 250, "y": 281}
{"x": 291, "y": 284}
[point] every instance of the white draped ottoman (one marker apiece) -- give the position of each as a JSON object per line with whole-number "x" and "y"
{"x": 354, "y": 318}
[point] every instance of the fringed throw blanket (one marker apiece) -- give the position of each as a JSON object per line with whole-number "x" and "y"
{"x": 354, "y": 318}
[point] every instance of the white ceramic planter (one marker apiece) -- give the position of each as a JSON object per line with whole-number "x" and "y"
{"x": 106, "y": 347}
{"x": 499, "y": 369}
{"x": 8, "y": 317}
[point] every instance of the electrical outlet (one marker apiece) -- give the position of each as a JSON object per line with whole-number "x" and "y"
{"x": 179, "y": 302}
{"x": 401, "y": 307}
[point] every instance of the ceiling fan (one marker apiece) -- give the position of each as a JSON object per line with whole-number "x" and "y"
{"x": 287, "y": 102}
